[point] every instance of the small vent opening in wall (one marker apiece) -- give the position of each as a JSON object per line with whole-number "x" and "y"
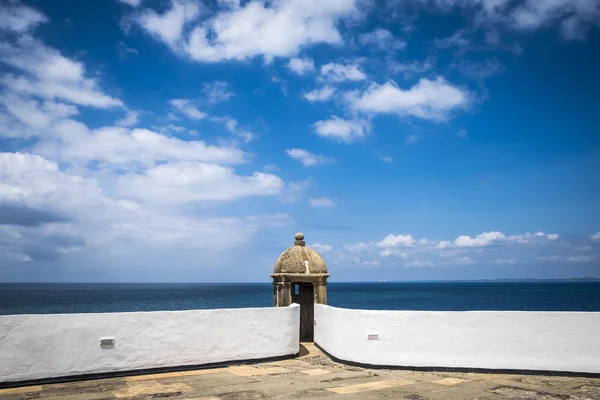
{"x": 373, "y": 336}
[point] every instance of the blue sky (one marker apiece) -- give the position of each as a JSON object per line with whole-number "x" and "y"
{"x": 184, "y": 140}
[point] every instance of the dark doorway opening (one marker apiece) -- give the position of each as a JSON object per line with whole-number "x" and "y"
{"x": 304, "y": 295}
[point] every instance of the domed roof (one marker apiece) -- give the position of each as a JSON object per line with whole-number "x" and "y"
{"x": 300, "y": 259}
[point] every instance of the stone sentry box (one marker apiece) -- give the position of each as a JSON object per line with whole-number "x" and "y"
{"x": 300, "y": 276}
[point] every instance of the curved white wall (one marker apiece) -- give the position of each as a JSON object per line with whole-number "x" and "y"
{"x": 555, "y": 341}
{"x": 46, "y": 346}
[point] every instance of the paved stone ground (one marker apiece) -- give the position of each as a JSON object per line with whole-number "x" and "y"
{"x": 314, "y": 376}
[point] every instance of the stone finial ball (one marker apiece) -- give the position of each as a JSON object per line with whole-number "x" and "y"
{"x": 299, "y": 236}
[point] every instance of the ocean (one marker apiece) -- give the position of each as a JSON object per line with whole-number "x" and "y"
{"x": 435, "y": 296}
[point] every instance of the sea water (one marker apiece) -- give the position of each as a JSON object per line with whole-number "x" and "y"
{"x": 437, "y": 296}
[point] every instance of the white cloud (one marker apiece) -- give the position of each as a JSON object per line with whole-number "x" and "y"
{"x": 131, "y": 118}
{"x": 488, "y": 248}
{"x": 387, "y": 159}
{"x": 382, "y": 39}
{"x": 217, "y": 91}
{"x": 48, "y": 74}
{"x": 307, "y": 158}
{"x": 419, "y": 264}
{"x": 321, "y": 248}
{"x": 124, "y": 50}
{"x": 462, "y": 133}
{"x": 443, "y": 244}
{"x": 391, "y": 252}
{"x": 22, "y": 116}
{"x": 235, "y": 32}
{"x": 243, "y": 134}
{"x": 68, "y": 212}
{"x": 184, "y": 106}
{"x": 301, "y": 66}
{"x": 183, "y": 182}
{"x": 457, "y": 39}
{"x": 575, "y": 17}
{"x": 395, "y": 241}
{"x": 321, "y": 202}
{"x": 119, "y": 146}
{"x": 132, "y": 3}
{"x": 341, "y": 72}
{"x": 342, "y": 130}
{"x": 169, "y": 26}
{"x": 549, "y": 236}
{"x": 505, "y": 261}
{"x": 323, "y": 94}
{"x": 595, "y": 236}
{"x": 412, "y": 68}
{"x": 483, "y": 239}
{"x": 359, "y": 247}
{"x": 18, "y": 18}
{"x": 428, "y": 99}
{"x": 466, "y": 260}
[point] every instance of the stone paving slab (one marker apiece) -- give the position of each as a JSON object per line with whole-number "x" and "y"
{"x": 314, "y": 376}
{"x": 364, "y": 387}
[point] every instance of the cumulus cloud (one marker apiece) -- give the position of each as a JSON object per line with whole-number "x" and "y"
{"x": 131, "y": 118}
{"x": 55, "y": 205}
{"x": 341, "y": 72}
{"x": 301, "y": 66}
{"x": 395, "y": 241}
{"x": 488, "y": 248}
{"x": 168, "y": 27}
{"x": 185, "y": 182}
{"x": 483, "y": 239}
{"x": 120, "y": 146}
{"x": 23, "y": 116}
{"x": 342, "y": 130}
{"x": 307, "y": 158}
{"x": 595, "y": 236}
{"x": 44, "y": 72}
{"x": 321, "y": 248}
{"x": 574, "y": 17}
{"x": 322, "y": 94}
{"x": 321, "y": 202}
{"x": 185, "y": 107}
{"x": 381, "y": 39}
{"x": 236, "y": 32}
{"x": 428, "y": 99}
{"x": 19, "y": 18}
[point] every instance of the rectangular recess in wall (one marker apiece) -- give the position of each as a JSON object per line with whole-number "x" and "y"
{"x": 372, "y": 336}
{"x": 107, "y": 341}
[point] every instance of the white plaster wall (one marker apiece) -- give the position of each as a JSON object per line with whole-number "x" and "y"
{"x": 45, "y": 346}
{"x": 555, "y": 341}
